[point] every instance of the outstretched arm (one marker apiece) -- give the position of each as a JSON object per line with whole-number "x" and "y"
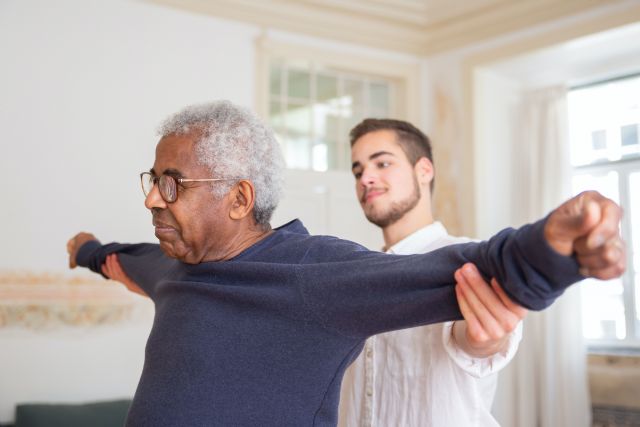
{"x": 144, "y": 263}
{"x": 534, "y": 265}
{"x": 491, "y": 317}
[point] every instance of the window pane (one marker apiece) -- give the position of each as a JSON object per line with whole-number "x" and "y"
{"x": 606, "y": 184}
{"x": 629, "y": 135}
{"x": 299, "y": 84}
{"x": 379, "y": 99}
{"x": 335, "y": 156}
{"x": 603, "y": 121}
{"x": 297, "y": 153}
{"x": 298, "y": 119}
{"x": 354, "y": 91}
{"x": 603, "y": 309}
{"x": 326, "y": 121}
{"x": 326, "y": 88}
{"x": 599, "y": 139}
{"x": 297, "y": 122}
{"x": 319, "y": 154}
{"x": 352, "y": 117}
{"x": 275, "y": 78}
{"x": 276, "y": 118}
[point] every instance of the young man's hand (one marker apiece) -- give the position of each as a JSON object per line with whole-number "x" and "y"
{"x": 490, "y": 315}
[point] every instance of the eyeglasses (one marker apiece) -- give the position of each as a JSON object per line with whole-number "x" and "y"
{"x": 168, "y": 185}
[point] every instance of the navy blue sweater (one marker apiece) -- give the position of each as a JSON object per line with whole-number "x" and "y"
{"x": 263, "y": 339}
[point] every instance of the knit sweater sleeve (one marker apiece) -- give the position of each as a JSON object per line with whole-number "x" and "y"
{"x": 362, "y": 293}
{"x": 144, "y": 263}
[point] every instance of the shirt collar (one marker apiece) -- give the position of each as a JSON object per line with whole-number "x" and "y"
{"x": 418, "y": 238}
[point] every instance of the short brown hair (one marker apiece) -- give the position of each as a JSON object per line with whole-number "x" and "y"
{"x": 412, "y": 140}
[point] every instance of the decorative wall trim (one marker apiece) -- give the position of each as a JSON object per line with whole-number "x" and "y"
{"x": 44, "y": 300}
{"x": 423, "y": 27}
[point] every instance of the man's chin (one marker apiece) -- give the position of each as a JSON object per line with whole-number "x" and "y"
{"x": 381, "y": 219}
{"x": 183, "y": 255}
{"x": 170, "y": 249}
{"x": 376, "y": 220}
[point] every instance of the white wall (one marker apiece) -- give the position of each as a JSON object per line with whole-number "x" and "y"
{"x": 496, "y": 103}
{"x": 72, "y": 364}
{"x": 83, "y": 85}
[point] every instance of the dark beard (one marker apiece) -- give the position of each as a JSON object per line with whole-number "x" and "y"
{"x": 396, "y": 210}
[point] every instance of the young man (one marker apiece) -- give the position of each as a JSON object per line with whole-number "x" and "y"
{"x": 436, "y": 375}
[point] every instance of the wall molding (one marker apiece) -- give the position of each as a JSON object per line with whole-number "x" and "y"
{"x": 424, "y": 28}
{"x": 46, "y": 300}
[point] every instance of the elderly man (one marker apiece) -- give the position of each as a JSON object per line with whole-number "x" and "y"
{"x": 255, "y": 326}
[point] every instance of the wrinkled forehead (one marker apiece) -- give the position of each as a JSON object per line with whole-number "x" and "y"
{"x": 176, "y": 152}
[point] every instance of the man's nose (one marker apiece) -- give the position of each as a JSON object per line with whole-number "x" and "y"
{"x": 368, "y": 178}
{"x": 154, "y": 199}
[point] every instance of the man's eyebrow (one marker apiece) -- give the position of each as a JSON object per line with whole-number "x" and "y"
{"x": 380, "y": 153}
{"x": 170, "y": 171}
{"x": 371, "y": 157}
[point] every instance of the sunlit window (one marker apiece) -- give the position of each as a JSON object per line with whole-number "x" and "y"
{"x": 604, "y": 122}
{"x": 312, "y": 109}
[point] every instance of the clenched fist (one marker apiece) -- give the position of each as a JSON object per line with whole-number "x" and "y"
{"x": 76, "y": 243}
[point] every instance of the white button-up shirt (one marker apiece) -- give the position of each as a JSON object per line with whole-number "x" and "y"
{"x": 417, "y": 376}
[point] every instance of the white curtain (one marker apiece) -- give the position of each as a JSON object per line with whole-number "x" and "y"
{"x": 546, "y": 384}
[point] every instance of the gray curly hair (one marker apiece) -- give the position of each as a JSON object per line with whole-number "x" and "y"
{"x": 234, "y": 143}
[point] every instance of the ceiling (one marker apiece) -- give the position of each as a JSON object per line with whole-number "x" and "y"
{"x": 412, "y": 26}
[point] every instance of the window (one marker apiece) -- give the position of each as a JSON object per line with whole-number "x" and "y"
{"x": 312, "y": 110}
{"x": 605, "y": 154}
{"x": 312, "y": 98}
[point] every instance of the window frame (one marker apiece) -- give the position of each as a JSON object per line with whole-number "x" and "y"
{"x": 624, "y": 167}
{"x": 403, "y": 72}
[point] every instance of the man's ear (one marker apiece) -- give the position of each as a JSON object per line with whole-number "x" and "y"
{"x": 243, "y": 197}
{"x": 424, "y": 171}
